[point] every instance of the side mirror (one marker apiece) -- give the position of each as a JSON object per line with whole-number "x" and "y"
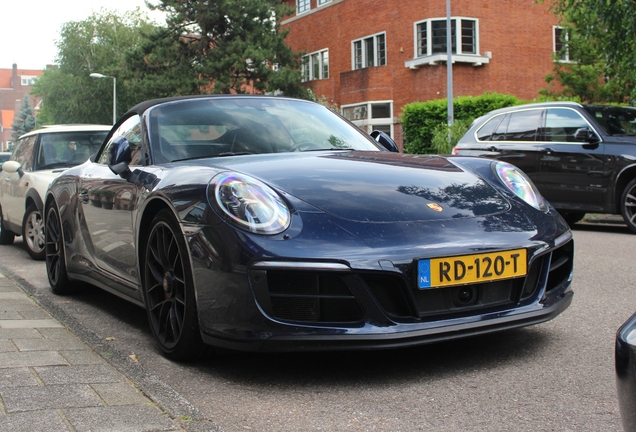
{"x": 385, "y": 141}
{"x": 585, "y": 135}
{"x": 12, "y": 167}
{"x": 119, "y": 157}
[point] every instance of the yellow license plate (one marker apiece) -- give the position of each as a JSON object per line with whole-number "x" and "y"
{"x": 470, "y": 269}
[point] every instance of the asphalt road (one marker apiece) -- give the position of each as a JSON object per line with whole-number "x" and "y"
{"x": 556, "y": 376}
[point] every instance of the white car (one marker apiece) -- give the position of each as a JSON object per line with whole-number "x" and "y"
{"x": 38, "y": 157}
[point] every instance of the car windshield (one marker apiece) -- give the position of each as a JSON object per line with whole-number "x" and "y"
{"x": 211, "y": 127}
{"x": 64, "y": 149}
{"x": 613, "y": 119}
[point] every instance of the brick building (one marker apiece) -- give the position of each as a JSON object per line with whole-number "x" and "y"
{"x": 371, "y": 57}
{"x": 15, "y": 84}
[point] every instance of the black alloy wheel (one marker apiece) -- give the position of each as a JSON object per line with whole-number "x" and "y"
{"x": 33, "y": 232}
{"x": 628, "y": 205}
{"x": 6, "y": 236}
{"x": 168, "y": 289}
{"x": 54, "y": 249}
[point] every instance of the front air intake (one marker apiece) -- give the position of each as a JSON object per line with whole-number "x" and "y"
{"x": 311, "y": 297}
{"x": 561, "y": 265}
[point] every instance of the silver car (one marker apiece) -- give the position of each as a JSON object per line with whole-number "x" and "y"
{"x": 37, "y": 158}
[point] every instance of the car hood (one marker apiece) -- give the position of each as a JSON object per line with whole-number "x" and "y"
{"x": 377, "y": 186}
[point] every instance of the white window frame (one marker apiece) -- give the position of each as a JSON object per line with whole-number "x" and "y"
{"x": 430, "y": 58}
{"x": 307, "y": 65}
{"x": 322, "y": 2}
{"x": 27, "y": 80}
{"x": 369, "y": 123}
{"x": 363, "y": 54}
{"x": 303, "y": 6}
{"x": 563, "y": 58}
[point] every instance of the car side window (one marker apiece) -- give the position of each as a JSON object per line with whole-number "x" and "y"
{"x": 23, "y": 152}
{"x": 561, "y": 125}
{"x": 523, "y": 125}
{"x": 500, "y": 132}
{"x": 131, "y": 130}
{"x": 485, "y": 132}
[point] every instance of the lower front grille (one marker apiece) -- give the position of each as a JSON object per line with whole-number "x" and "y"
{"x": 306, "y": 297}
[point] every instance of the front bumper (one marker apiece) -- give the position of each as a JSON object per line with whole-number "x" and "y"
{"x": 274, "y": 304}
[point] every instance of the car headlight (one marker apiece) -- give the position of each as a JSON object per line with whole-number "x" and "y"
{"x": 250, "y": 204}
{"x": 520, "y": 185}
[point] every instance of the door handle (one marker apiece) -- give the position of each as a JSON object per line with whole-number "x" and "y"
{"x": 83, "y": 195}
{"x": 547, "y": 150}
{"x": 493, "y": 149}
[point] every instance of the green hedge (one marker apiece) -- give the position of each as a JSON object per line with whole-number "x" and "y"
{"x": 421, "y": 120}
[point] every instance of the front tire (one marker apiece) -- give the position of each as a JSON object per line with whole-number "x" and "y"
{"x": 54, "y": 251}
{"x": 168, "y": 289}
{"x": 628, "y": 205}
{"x": 33, "y": 232}
{"x": 6, "y": 236}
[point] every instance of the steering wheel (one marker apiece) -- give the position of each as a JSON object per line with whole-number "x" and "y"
{"x": 304, "y": 145}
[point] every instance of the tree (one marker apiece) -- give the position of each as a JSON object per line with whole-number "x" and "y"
{"x": 232, "y": 46}
{"x": 24, "y": 122}
{"x": 602, "y": 49}
{"x": 100, "y": 44}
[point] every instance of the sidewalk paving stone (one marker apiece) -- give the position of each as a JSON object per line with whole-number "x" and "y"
{"x": 34, "y": 398}
{"x": 84, "y": 357}
{"x": 49, "y": 344}
{"x": 120, "y": 394}
{"x": 51, "y": 380}
{"x": 46, "y": 421}
{"x": 6, "y": 346}
{"x": 51, "y": 375}
{"x": 17, "y": 377}
{"x": 9, "y": 324}
{"x": 10, "y": 315}
{"x": 31, "y": 358}
{"x": 119, "y": 419}
{"x": 19, "y": 333}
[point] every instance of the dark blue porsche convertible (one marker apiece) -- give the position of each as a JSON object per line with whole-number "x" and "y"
{"x": 265, "y": 223}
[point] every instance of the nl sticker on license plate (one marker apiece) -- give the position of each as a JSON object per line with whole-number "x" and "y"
{"x": 470, "y": 269}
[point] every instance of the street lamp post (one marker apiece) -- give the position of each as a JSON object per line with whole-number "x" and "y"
{"x": 98, "y": 75}
{"x": 449, "y": 65}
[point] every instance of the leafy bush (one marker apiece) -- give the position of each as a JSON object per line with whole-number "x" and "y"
{"x": 421, "y": 119}
{"x": 446, "y": 137}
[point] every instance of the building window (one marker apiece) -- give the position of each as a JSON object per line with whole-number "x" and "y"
{"x": 431, "y": 36}
{"x": 370, "y": 116}
{"x": 560, "y": 39}
{"x": 322, "y": 2}
{"x": 315, "y": 65}
{"x": 302, "y": 6}
{"x": 369, "y": 51}
{"x": 430, "y": 42}
{"x": 27, "y": 80}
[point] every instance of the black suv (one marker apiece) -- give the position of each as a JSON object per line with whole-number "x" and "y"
{"x": 581, "y": 157}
